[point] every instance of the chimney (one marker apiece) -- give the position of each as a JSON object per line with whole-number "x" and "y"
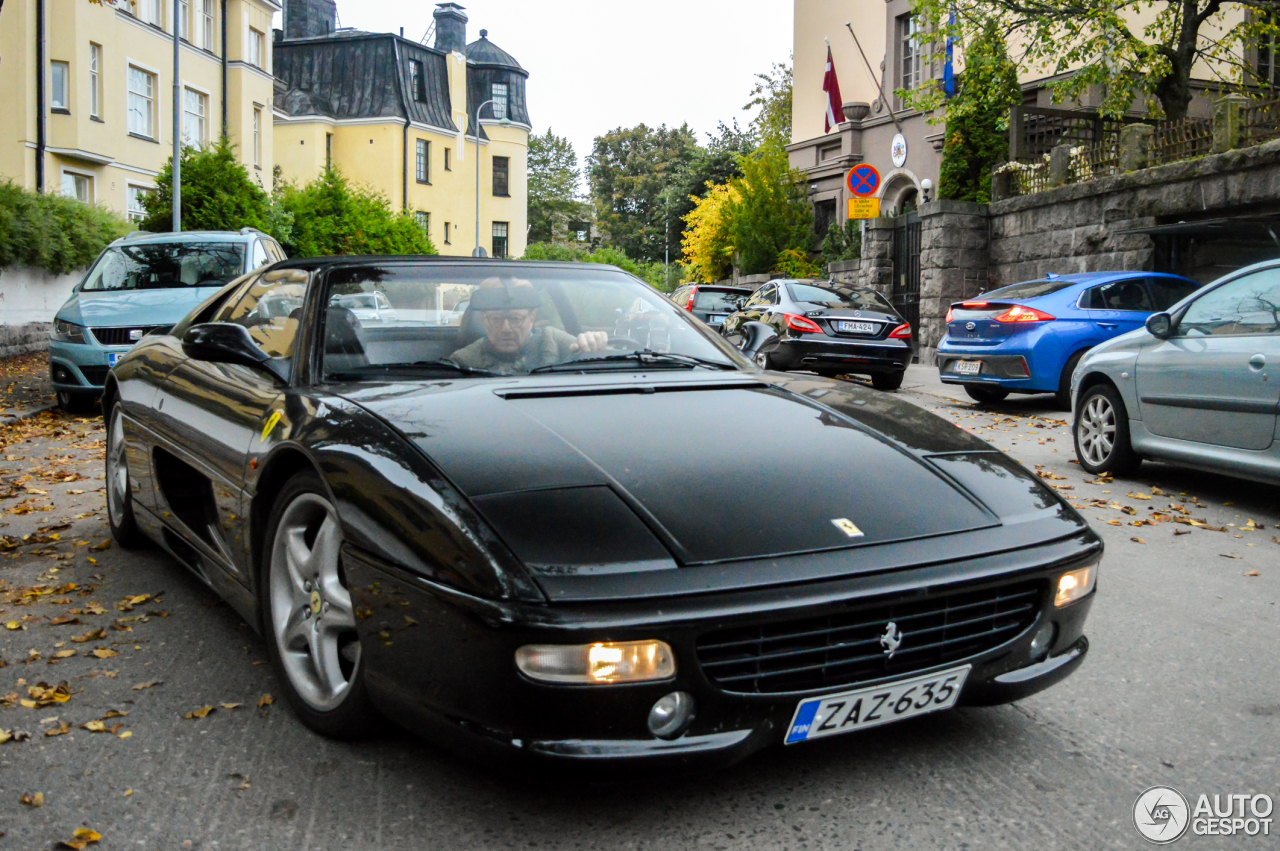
{"x": 451, "y": 27}
{"x": 310, "y": 18}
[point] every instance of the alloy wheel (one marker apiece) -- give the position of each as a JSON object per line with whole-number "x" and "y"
{"x": 311, "y": 612}
{"x": 117, "y": 467}
{"x": 1097, "y": 430}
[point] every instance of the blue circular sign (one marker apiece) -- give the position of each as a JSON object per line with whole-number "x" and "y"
{"x": 863, "y": 180}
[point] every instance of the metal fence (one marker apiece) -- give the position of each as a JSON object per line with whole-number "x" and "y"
{"x": 1101, "y": 159}
{"x": 1175, "y": 141}
{"x": 1260, "y": 122}
{"x": 1036, "y": 130}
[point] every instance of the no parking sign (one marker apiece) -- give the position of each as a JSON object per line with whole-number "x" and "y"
{"x": 863, "y": 181}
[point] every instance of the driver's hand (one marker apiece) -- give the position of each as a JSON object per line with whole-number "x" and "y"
{"x": 590, "y": 341}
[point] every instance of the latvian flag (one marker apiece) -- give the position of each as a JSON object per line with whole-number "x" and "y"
{"x": 835, "y": 104}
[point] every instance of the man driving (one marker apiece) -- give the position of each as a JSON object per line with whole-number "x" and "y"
{"x": 511, "y": 345}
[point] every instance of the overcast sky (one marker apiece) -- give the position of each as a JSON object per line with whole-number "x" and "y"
{"x": 594, "y": 66}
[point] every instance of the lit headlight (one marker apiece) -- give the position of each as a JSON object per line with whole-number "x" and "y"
{"x": 1075, "y": 585}
{"x": 67, "y": 332}
{"x": 602, "y": 662}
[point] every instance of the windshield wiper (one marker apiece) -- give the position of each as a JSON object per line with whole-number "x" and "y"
{"x": 645, "y": 357}
{"x": 364, "y": 371}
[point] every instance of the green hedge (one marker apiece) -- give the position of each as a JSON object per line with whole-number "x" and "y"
{"x": 52, "y": 232}
{"x": 654, "y": 274}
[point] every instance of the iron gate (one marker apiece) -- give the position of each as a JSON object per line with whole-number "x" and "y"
{"x": 905, "y": 294}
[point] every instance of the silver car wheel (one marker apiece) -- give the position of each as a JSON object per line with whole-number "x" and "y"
{"x": 311, "y": 613}
{"x": 762, "y": 360}
{"x": 1097, "y": 430}
{"x": 117, "y": 467}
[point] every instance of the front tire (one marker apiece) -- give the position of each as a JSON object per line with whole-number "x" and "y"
{"x": 120, "y": 516}
{"x": 763, "y": 360}
{"x": 888, "y": 381}
{"x": 1102, "y": 433}
{"x": 984, "y": 394}
{"x": 309, "y": 615}
{"x": 77, "y": 404}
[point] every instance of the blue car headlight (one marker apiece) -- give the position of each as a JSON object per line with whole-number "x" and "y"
{"x": 67, "y": 332}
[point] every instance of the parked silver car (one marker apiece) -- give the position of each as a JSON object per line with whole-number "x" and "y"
{"x": 1194, "y": 388}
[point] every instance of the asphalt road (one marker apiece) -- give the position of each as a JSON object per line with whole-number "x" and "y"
{"x": 1181, "y": 687}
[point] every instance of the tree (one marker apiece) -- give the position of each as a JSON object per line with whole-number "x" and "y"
{"x": 629, "y": 171}
{"x": 52, "y": 232}
{"x": 651, "y": 273}
{"x": 553, "y": 187}
{"x": 842, "y": 242}
{"x": 977, "y": 135}
{"x": 772, "y": 95}
{"x": 772, "y": 212}
{"x": 713, "y": 165}
{"x": 707, "y": 245}
{"x": 1099, "y": 43}
{"x": 217, "y": 193}
{"x": 333, "y": 217}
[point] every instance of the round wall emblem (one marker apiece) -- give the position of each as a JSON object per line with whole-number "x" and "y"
{"x": 898, "y": 150}
{"x": 1161, "y": 815}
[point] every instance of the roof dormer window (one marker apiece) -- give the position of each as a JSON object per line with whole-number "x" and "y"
{"x": 499, "y": 95}
{"x": 417, "y": 81}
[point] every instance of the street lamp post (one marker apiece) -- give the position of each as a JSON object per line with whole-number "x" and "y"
{"x": 177, "y": 121}
{"x": 475, "y": 128}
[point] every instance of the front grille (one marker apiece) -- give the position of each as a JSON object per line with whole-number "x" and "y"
{"x": 95, "y": 375}
{"x": 123, "y": 336}
{"x": 845, "y": 647}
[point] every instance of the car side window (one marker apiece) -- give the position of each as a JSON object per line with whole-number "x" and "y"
{"x": 1166, "y": 292}
{"x": 1120, "y": 295}
{"x": 274, "y": 251}
{"x": 1247, "y": 305}
{"x": 258, "y": 256}
{"x": 760, "y": 297}
{"x": 271, "y": 309}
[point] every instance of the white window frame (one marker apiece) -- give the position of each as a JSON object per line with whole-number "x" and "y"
{"x": 149, "y": 12}
{"x": 184, "y": 20}
{"x": 205, "y": 17}
{"x": 74, "y": 173}
{"x": 424, "y": 221}
{"x": 153, "y": 131}
{"x": 59, "y": 100}
{"x": 422, "y": 160}
{"x": 501, "y": 106}
{"x": 136, "y": 214}
{"x": 205, "y": 100}
{"x": 95, "y": 80}
{"x": 255, "y": 48}
{"x": 257, "y": 136}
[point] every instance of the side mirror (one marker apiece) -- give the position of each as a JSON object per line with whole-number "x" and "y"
{"x": 1160, "y": 325}
{"x": 225, "y": 342}
{"x": 758, "y": 338}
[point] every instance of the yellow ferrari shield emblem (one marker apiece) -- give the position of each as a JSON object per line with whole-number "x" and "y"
{"x": 845, "y": 525}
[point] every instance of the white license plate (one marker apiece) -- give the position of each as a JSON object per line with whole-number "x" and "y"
{"x": 857, "y": 327}
{"x": 716, "y": 318}
{"x": 967, "y": 367}
{"x": 112, "y": 357}
{"x": 871, "y": 707}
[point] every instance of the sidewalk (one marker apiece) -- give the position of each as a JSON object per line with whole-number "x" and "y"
{"x": 25, "y": 388}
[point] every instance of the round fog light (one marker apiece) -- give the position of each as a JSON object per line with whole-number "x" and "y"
{"x": 671, "y": 715}
{"x": 1042, "y": 641}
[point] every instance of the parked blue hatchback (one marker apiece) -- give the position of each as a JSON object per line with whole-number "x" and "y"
{"x": 1028, "y": 337}
{"x": 141, "y": 283}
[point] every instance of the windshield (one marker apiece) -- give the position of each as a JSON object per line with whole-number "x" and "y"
{"x": 712, "y": 300}
{"x": 162, "y": 265}
{"x": 835, "y": 295}
{"x": 1028, "y": 289}
{"x": 476, "y": 320}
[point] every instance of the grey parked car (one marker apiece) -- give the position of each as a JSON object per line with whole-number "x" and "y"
{"x": 1194, "y": 388}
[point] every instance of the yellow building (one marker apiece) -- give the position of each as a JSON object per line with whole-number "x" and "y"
{"x": 95, "y": 120}
{"x": 400, "y": 116}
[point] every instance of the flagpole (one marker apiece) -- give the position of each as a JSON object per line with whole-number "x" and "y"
{"x": 879, "y": 86}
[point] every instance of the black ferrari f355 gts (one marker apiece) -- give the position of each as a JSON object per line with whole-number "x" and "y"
{"x": 536, "y": 508}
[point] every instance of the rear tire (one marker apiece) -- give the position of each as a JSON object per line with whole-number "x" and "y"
{"x": 124, "y": 526}
{"x": 985, "y": 395}
{"x": 75, "y": 403}
{"x": 888, "y": 381}
{"x": 764, "y": 361}
{"x": 309, "y": 615}
{"x": 1063, "y": 396}
{"x": 1101, "y": 433}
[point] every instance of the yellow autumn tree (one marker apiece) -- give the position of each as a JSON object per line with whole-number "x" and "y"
{"x": 708, "y": 243}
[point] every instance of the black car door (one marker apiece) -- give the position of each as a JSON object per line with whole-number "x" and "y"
{"x": 209, "y": 414}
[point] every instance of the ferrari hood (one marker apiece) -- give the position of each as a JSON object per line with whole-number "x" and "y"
{"x": 718, "y": 470}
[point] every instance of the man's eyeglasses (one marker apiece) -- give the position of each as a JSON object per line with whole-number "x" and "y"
{"x": 511, "y": 318}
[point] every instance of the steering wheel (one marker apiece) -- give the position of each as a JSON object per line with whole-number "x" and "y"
{"x": 617, "y": 342}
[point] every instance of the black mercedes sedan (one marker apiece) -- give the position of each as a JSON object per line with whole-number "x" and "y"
{"x": 516, "y": 534}
{"x": 829, "y": 328}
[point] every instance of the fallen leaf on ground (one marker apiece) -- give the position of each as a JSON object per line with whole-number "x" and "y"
{"x": 1114, "y": 523}
{"x": 64, "y": 654}
{"x": 62, "y": 729}
{"x": 64, "y": 620}
{"x": 265, "y": 700}
{"x": 232, "y": 705}
{"x": 7, "y": 736}
{"x": 97, "y": 548}
{"x": 127, "y": 604}
{"x": 1137, "y": 540}
{"x": 1156, "y": 491}
{"x": 1139, "y": 496}
{"x": 126, "y": 734}
{"x": 104, "y": 652}
{"x": 141, "y": 686}
{"x": 1228, "y": 555}
{"x": 1177, "y": 532}
{"x": 42, "y": 694}
{"x": 128, "y": 792}
{"x": 198, "y": 713}
{"x": 1252, "y": 573}
{"x": 114, "y": 713}
{"x": 81, "y": 839}
{"x": 94, "y": 635}
{"x": 32, "y": 800}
